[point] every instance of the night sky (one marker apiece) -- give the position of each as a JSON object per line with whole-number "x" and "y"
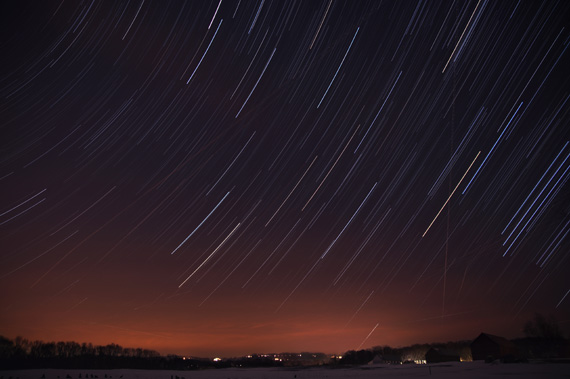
{"x": 232, "y": 177}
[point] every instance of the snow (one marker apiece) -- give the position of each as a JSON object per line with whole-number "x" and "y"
{"x": 463, "y": 370}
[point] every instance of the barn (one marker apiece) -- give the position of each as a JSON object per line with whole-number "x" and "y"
{"x": 491, "y": 347}
{"x": 392, "y": 359}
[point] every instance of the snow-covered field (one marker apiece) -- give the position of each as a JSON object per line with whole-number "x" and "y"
{"x": 466, "y": 370}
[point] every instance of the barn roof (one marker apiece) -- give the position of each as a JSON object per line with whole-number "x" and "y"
{"x": 496, "y": 339}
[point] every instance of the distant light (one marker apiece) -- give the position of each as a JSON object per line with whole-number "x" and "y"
{"x": 217, "y": 359}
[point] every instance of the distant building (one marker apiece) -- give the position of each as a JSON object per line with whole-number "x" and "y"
{"x": 436, "y": 355}
{"x": 490, "y": 347}
{"x": 391, "y": 359}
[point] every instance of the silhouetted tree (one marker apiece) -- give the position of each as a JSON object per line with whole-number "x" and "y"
{"x": 544, "y": 338}
{"x": 543, "y": 327}
{"x": 87, "y": 349}
{"x": 23, "y": 344}
{"x": 7, "y": 348}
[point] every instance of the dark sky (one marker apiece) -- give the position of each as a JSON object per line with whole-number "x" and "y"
{"x": 230, "y": 177}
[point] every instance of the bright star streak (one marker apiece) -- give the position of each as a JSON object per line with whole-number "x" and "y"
{"x": 293, "y": 190}
{"x": 491, "y": 151}
{"x": 215, "y": 13}
{"x": 535, "y": 200}
{"x": 203, "y": 221}
{"x": 205, "y": 52}
{"x": 349, "y": 221}
{"x": 436, "y": 216}
{"x": 459, "y": 40}
{"x": 368, "y": 336}
{"x": 338, "y": 69}
{"x": 211, "y": 255}
{"x": 332, "y": 167}
{"x": 23, "y": 202}
{"x": 563, "y": 297}
{"x": 531, "y": 192}
{"x": 256, "y": 83}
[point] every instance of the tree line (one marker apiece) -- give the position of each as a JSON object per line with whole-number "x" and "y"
{"x": 23, "y": 353}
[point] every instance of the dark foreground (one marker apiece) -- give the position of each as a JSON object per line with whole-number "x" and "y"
{"x": 464, "y": 370}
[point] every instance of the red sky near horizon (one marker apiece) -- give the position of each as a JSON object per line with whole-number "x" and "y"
{"x": 227, "y": 178}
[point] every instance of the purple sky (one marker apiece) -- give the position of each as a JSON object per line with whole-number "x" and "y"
{"x": 230, "y": 177}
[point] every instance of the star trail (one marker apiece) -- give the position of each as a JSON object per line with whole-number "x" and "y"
{"x": 231, "y": 177}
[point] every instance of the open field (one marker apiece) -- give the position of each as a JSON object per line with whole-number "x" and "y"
{"x": 464, "y": 370}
